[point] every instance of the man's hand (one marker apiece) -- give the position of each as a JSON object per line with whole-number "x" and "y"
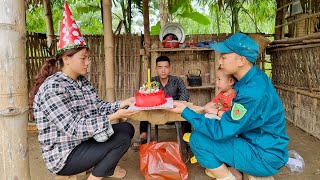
{"x": 127, "y": 102}
{"x": 209, "y": 107}
{"x": 178, "y": 107}
{"x": 212, "y": 110}
{"x": 122, "y": 113}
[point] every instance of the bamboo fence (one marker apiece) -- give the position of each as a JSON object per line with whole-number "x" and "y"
{"x": 128, "y": 65}
{"x": 36, "y": 54}
{"x": 296, "y": 76}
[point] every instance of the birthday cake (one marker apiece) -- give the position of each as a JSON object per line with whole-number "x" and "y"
{"x": 149, "y": 97}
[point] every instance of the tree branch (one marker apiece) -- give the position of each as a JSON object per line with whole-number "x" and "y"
{"x": 254, "y": 22}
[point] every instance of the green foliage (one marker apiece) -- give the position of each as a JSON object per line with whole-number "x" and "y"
{"x": 155, "y": 30}
{"x": 180, "y": 4}
{"x": 35, "y": 19}
{"x": 197, "y": 17}
{"x": 87, "y": 15}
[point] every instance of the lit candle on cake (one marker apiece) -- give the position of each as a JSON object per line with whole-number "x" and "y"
{"x": 149, "y": 83}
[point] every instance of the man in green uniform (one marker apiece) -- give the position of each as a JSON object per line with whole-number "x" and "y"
{"x": 251, "y": 137}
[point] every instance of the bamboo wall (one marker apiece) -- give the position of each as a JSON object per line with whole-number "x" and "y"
{"x": 128, "y": 65}
{"x": 290, "y": 24}
{"x": 296, "y": 63}
{"x": 296, "y": 76}
{"x": 36, "y": 54}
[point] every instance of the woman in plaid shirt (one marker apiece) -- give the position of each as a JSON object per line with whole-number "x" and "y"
{"x": 74, "y": 124}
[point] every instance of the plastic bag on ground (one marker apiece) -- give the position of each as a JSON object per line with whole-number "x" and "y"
{"x": 162, "y": 161}
{"x": 295, "y": 162}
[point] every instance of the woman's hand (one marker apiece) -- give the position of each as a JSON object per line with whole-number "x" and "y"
{"x": 127, "y": 102}
{"x": 178, "y": 107}
{"x": 122, "y": 113}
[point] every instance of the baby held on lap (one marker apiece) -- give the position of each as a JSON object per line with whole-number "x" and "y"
{"x": 220, "y": 103}
{"x": 223, "y": 101}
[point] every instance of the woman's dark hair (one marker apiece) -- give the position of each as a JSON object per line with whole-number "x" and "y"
{"x": 162, "y": 58}
{"x": 48, "y": 68}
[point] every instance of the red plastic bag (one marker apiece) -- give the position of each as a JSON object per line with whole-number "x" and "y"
{"x": 162, "y": 161}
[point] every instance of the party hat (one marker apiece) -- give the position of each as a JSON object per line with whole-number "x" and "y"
{"x": 70, "y": 35}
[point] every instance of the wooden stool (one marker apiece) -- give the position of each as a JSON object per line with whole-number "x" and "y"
{"x": 183, "y": 145}
{"x": 178, "y": 130}
{"x": 250, "y": 177}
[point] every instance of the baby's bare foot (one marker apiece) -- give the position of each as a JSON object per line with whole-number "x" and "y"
{"x": 236, "y": 173}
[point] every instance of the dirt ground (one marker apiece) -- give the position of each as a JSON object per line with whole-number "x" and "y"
{"x": 306, "y": 145}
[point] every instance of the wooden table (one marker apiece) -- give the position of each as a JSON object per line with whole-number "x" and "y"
{"x": 162, "y": 116}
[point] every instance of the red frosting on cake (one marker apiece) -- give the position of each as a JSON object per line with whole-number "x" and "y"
{"x": 150, "y": 99}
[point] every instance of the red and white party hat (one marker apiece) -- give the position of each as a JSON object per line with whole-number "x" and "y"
{"x": 70, "y": 35}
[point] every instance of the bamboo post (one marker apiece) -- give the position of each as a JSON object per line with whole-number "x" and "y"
{"x": 283, "y": 30}
{"x": 147, "y": 40}
{"x": 297, "y": 105}
{"x": 314, "y": 116}
{"x": 212, "y": 63}
{"x": 154, "y": 56}
{"x": 14, "y": 159}
{"x": 108, "y": 49}
{"x": 306, "y": 59}
{"x": 217, "y": 64}
{"x": 50, "y": 30}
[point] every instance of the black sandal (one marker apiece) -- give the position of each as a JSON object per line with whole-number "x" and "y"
{"x": 137, "y": 142}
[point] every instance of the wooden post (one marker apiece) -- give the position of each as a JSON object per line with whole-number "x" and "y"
{"x": 154, "y": 55}
{"x": 278, "y": 21}
{"x": 283, "y": 29}
{"x": 50, "y": 30}
{"x": 109, "y": 50}
{"x": 147, "y": 41}
{"x": 14, "y": 159}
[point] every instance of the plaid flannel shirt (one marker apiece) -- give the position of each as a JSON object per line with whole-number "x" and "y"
{"x": 68, "y": 112}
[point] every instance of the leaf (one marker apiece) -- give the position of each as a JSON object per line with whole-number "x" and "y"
{"x": 196, "y": 16}
{"x": 155, "y": 30}
{"x": 87, "y": 9}
{"x": 177, "y": 5}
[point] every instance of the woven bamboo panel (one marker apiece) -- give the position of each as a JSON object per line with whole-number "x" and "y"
{"x": 127, "y": 65}
{"x": 201, "y": 97}
{"x": 298, "y": 67}
{"x": 96, "y": 73}
{"x": 302, "y": 110}
{"x": 295, "y": 73}
{"x": 288, "y": 104}
{"x": 36, "y": 54}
